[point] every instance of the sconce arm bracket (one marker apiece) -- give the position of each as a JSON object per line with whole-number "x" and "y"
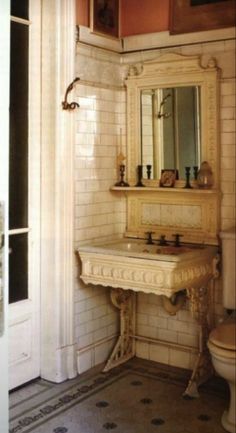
{"x": 70, "y": 105}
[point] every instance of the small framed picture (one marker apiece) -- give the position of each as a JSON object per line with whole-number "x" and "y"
{"x": 104, "y": 17}
{"x": 215, "y": 14}
{"x": 168, "y": 177}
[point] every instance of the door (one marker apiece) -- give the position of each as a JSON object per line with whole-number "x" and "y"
{"x": 4, "y": 140}
{"x": 24, "y": 193}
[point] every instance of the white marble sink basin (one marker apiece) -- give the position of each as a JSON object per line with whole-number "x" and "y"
{"x": 132, "y": 264}
{"x": 140, "y": 249}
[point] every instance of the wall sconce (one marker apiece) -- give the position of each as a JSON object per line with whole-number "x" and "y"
{"x": 160, "y": 113}
{"x": 70, "y": 105}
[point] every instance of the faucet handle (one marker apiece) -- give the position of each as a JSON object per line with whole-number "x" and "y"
{"x": 162, "y": 240}
{"x": 177, "y": 237}
{"x": 149, "y": 238}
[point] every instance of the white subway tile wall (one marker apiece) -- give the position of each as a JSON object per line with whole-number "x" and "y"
{"x": 100, "y": 134}
{"x": 100, "y": 214}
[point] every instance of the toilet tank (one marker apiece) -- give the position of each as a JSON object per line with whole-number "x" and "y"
{"x": 228, "y": 268}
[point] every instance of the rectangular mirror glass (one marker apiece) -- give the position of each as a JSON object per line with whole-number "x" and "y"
{"x": 170, "y": 129}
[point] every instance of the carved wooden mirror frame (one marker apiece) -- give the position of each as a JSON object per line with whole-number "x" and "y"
{"x": 174, "y": 70}
{"x": 195, "y": 213}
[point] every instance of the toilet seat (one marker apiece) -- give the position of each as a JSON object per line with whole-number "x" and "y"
{"x": 222, "y": 353}
{"x": 222, "y": 340}
{"x": 224, "y": 336}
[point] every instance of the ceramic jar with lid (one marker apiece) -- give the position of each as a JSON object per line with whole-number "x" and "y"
{"x": 205, "y": 176}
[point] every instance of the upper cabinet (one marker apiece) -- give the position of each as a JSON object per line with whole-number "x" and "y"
{"x": 173, "y": 123}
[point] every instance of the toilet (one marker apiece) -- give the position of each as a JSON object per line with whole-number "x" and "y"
{"x": 222, "y": 339}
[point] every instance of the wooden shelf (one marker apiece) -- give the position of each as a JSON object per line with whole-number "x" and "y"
{"x": 162, "y": 190}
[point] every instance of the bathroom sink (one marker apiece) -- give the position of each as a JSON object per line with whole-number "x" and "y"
{"x": 132, "y": 264}
{"x": 140, "y": 248}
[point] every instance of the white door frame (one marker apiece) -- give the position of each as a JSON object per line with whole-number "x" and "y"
{"x": 24, "y": 320}
{"x": 4, "y": 158}
{"x": 58, "y": 360}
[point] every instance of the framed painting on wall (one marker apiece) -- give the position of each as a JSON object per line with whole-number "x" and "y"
{"x": 200, "y": 15}
{"x": 104, "y": 17}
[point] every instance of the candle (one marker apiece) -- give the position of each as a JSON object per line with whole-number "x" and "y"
{"x": 120, "y": 141}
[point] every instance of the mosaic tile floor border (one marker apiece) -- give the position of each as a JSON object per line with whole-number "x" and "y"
{"x": 59, "y": 402}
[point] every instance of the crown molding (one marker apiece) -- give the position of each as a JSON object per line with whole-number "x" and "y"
{"x": 151, "y": 41}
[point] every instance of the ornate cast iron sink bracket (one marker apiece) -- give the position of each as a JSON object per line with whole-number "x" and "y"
{"x": 201, "y": 301}
{"x": 125, "y": 301}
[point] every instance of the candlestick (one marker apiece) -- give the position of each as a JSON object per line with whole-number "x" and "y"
{"x": 195, "y": 171}
{"x": 140, "y": 175}
{"x": 120, "y": 140}
{"x": 149, "y": 169}
{"x": 187, "y": 174}
{"x": 122, "y": 175}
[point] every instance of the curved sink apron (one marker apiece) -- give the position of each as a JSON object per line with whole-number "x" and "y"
{"x": 129, "y": 266}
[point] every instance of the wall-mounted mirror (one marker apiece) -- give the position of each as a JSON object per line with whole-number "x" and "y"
{"x": 172, "y": 116}
{"x": 170, "y": 129}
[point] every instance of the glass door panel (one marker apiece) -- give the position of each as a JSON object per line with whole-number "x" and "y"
{"x": 18, "y": 164}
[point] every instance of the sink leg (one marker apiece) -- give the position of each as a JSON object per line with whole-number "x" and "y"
{"x": 200, "y": 304}
{"x": 125, "y": 301}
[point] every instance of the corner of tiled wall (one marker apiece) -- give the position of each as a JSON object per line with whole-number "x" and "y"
{"x": 152, "y": 321}
{"x": 101, "y": 214}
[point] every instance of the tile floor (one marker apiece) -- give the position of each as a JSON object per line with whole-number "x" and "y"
{"x": 137, "y": 397}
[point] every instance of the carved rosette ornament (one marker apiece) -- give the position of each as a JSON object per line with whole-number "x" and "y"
{"x": 124, "y": 349}
{"x": 212, "y": 64}
{"x": 133, "y": 71}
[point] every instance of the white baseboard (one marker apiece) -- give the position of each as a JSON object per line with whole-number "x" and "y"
{"x": 95, "y": 353}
